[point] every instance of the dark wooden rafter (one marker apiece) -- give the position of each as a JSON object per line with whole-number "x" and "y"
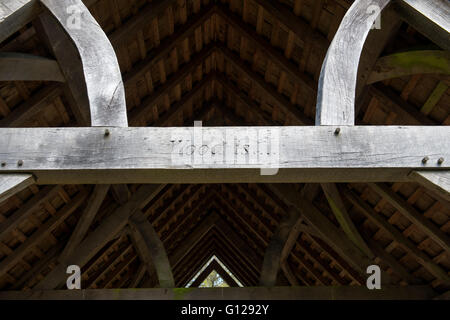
{"x": 151, "y": 249}
{"x": 102, "y": 234}
{"x": 342, "y": 216}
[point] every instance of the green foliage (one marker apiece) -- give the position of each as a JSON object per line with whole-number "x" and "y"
{"x": 214, "y": 280}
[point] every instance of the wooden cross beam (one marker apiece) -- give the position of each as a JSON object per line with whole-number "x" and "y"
{"x": 151, "y": 155}
{"x": 247, "y": 293}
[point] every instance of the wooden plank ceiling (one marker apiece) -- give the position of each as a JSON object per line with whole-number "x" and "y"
{"x": 231, "y": 62}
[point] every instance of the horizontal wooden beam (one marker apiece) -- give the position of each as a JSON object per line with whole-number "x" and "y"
{"x": 14, "y": 14}
{"x": 151, "y": 155}
{"x": 27, "y": 67}
{"x": 246, "y": 293}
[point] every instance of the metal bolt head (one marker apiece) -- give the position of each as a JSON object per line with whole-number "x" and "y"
{"x": 3, "y": 164}
{"x": 107, "y": 133}
{"x": 440, "y": 160}
{"x": 337, "y": 131}
{"x": 20, "y": 163}
{"x": 425, "y": 159}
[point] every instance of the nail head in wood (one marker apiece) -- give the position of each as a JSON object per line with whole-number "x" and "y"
{"x": 425, "y": 159}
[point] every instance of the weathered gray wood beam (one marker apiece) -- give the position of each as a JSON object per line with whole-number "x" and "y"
{"x": 148, "y": 155}
{"x": 432, "y": 18}
{"x": 425, "y": 225}
{"x": 337, "y": 83}
{"x": 248, "y": 293}
{"x": 342, "y": 216}
{"x": 273, "y": 254}
{"x": 373, "y": 46}
{"x": 92, "y": 206}
{"x": 15, "y": 14}
{"x": 12, "y": 183}
{"x": 27, "y": 67}
{"x": 104, "y": 86}
{"x": 397, "y": 236}
{"x": 436, "y": 181}
{"x": 408, "y": 63}
{"x": 106, "y": 231}
{"x": 151, "y": 249}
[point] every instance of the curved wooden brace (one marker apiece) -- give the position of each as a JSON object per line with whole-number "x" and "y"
{"x": 27, "y": 67}
{"x": 409, "y": 63}
{"x": 105, "y": 90}
{"x": 337, "y": 82}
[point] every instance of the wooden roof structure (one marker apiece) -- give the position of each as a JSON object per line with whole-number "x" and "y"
{"x": 231, "y": 64}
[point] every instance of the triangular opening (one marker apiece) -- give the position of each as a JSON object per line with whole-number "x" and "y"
{"x": 213, "y": 280}
{"x": 214, "y": 274}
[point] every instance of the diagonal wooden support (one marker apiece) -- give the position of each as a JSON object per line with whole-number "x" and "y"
{"x": 343, "y": 217}
{"x": 436, "y": 181}
{"x": 273, "y": 254}
{"x": 151, "y": 249}
{"x": 432, "y": 18}
{"x": 413, "y": 215}
{"x": 107, "y": 230}
{"x": 332, "y": 235}
{"x": 10, "y": 184}
{"x": 93, "y": 205}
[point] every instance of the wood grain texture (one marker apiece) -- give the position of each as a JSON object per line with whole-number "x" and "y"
{"x": 10, "y": 184}
{"x": 105, "y": 90}
{"x": 337, "y": 82}
{"x": 60, "y": 155}
{"x": 408, "y": 63}
{"x": 26, "y": 67}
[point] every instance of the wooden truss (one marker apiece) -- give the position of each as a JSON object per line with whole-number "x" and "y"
{"x": 110, "y": 152}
